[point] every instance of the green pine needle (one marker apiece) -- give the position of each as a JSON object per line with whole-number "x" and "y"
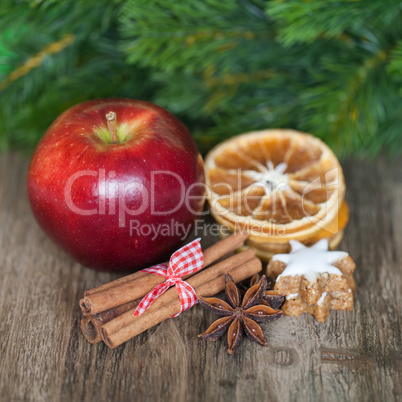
{"x": 331, "y": 67}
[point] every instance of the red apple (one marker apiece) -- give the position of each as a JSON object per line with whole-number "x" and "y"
{"x": 119, "y": 192}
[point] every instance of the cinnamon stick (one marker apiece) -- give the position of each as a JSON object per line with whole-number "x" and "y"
{"x": 116, "y": 282}
{"x": 205, "y": 283}
{"x": 90, "y": 328}
{"x": 198, "y": 279}
{"x": 91, "y": 324}
{"x": 137, "y": 285}
{"x": 223, "y": 247}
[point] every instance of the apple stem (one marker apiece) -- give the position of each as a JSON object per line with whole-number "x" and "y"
{"x": 111, "y": 123}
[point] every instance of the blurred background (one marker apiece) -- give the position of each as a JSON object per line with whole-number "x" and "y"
{"x": 332, "y": 68}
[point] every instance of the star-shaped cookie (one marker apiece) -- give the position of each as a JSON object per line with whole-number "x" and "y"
{"x": 313, "y": 279}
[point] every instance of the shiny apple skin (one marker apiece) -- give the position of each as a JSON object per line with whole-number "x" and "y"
{"x": 72, "y": 146}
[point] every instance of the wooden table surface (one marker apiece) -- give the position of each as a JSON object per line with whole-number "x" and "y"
{"x": 352, "y": 356}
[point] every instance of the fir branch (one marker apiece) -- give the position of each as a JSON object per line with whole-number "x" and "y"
{"x": 224, "y": 67}
{"x": 342, "y": 108}
{"x": 188, "y": 36}
{"x": 37, "y": 60}
{"x": 307, "y": 21}
{"x": 395, "y": 66}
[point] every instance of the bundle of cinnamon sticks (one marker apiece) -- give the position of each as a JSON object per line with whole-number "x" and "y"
{"x": 109, "y": 309}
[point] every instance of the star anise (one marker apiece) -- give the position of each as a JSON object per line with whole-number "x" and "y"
{"x": 270, "y": 298}
{"x": 239, "y": 315}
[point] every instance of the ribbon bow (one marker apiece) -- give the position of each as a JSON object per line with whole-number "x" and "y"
{"x": 185, "y": 261}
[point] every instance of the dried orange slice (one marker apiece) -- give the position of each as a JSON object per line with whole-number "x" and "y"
{"x": 278, "y": 185}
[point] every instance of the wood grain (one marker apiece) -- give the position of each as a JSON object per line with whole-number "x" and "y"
{"x": 353, "y": 356}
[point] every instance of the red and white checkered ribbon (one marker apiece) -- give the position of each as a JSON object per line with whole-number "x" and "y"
{"x": 185, "y": 261}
